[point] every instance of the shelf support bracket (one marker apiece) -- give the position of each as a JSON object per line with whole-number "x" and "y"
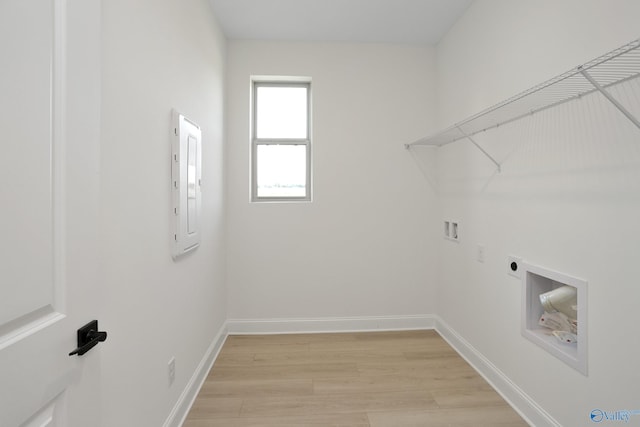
{"x": 611, "y": 99}
{"x": 479, "y": 147}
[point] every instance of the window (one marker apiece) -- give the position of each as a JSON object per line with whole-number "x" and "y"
{"x": 281, "y": 141}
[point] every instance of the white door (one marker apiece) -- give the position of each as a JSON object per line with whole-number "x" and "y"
{"x": 49, "y": 119}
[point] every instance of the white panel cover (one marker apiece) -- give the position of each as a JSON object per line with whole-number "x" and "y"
{"x": 186, "y": 165}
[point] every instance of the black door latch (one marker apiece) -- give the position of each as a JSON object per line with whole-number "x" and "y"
{"x": 88, "y": 337}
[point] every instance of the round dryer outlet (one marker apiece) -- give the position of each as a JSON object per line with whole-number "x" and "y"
{"x": 513, "y": 266}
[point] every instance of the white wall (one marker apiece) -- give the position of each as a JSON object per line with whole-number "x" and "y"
{"x": 157, "y": 55}
{"x": 366, "y": 245}
{"x": 568, "y": 196}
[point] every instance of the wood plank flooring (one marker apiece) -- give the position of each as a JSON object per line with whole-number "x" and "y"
{"x": 372, "y": 379}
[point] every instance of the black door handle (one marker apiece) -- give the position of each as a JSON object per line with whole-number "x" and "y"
{"x": 88, "y": 337}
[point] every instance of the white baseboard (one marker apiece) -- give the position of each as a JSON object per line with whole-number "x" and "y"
{"x": 330, "y": 324}
{"x": 183, "y": 405}
{"x": 518, "y": 399}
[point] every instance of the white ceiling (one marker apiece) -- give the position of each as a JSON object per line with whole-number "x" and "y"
{"x": 380, "y": 21}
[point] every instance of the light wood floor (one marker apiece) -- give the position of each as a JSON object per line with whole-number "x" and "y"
{"x": 393, "y": 379}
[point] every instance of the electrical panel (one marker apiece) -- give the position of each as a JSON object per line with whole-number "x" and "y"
{"x": 186, "y": 180}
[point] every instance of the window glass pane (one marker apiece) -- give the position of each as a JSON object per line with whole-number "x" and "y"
{"x": 281, "y": 112}
{"x": 281, "y": 170}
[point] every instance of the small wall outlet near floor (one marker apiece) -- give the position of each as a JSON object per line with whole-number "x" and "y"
{"x": 171, "y": 367}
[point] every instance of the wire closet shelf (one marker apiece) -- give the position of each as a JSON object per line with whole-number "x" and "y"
{"x": 615, "y": 67}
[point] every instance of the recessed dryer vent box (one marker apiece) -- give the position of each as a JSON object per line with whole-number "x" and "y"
{"x": 536, "y": 281}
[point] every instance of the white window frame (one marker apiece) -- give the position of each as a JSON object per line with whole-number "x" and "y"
{"x": 255, "y": 141}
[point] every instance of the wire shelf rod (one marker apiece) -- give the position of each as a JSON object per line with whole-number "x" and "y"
{"x": 615, "y": 67}
{"x": 495, "y": 162}
{"x": 612, "y": 99}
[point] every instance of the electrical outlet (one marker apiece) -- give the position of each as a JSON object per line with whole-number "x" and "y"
{"x": 480, "y": 253}
{"x": 513, "y": 266}
{"x": 171, "y": 366}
